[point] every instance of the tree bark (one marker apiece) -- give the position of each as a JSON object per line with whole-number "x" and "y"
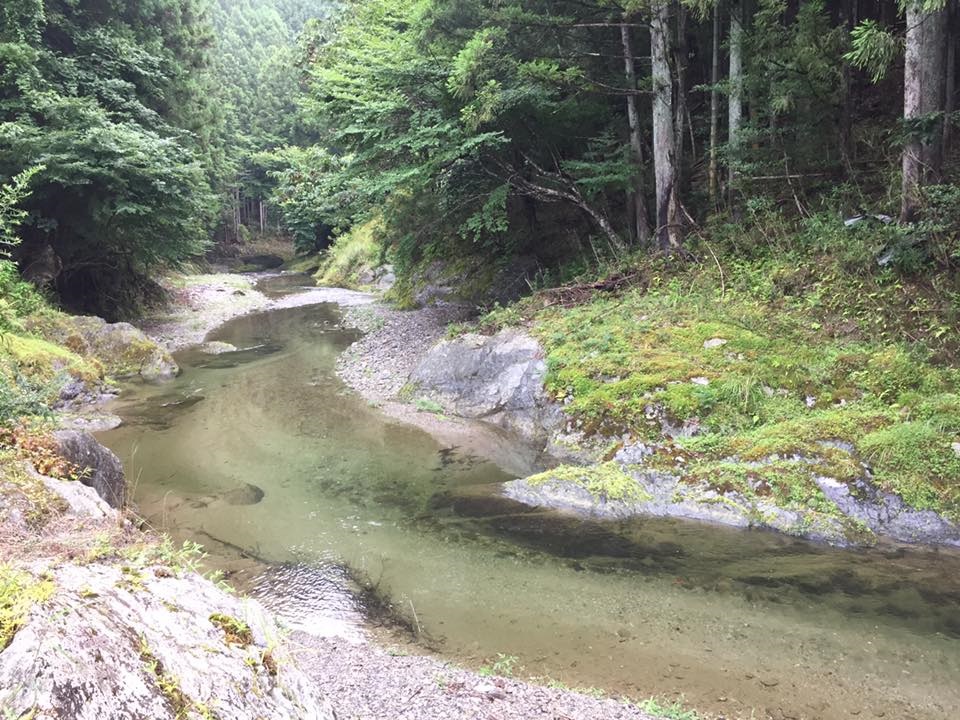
{"x": 735, "y": 98}
{"x": 714, "y": 107}
{"x": 950, "y": 94}
{"x": 680, "y": 99}
{"x": 923, "y": 94}
{"x": 638, "y": 202}
{"x": 664, "y": 158}
{"x": 845, "y": 141}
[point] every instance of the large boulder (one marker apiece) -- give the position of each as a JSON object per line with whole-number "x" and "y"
{"x": 104, "y": 642}
{"x": 498, "y": 379}
{"x": 122, "y": 349}
{"x": 99, "y": 468}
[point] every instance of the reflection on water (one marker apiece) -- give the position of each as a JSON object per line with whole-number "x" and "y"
{"x": 288, "y": 479}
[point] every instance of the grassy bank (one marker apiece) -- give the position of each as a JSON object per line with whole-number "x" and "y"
{"x": 782, "y": 363}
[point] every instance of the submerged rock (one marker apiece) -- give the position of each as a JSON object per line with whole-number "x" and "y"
{"x": 246, "y": 494}
{"x": 141, "y": 642}
{"x": 498, "y": 379}
{"x": 216, "y": 347}
{"x": 99, "y": 468}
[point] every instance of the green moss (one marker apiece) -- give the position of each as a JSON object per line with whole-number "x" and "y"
{"x": 19, "y": 592}
{"x": 43, "y": 361}
{"x": 917, "y": 461}
{"x": 606, "y": 481}
{"x": 784, "y": 358}
{"x": 236, "y": 631}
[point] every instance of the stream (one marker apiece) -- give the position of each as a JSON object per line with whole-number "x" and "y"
{"x": 296, "y": 486}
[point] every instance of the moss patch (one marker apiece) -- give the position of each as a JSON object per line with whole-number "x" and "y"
{"x": 237, "y": 631}
{"x": 43, "y": 361}
{"x": 606, "y": 482}
{"x": 19, "y": 592}
{"x": 764, "y": 368}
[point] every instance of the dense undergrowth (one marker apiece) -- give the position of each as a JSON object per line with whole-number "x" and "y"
{"x": 782, "y": 348}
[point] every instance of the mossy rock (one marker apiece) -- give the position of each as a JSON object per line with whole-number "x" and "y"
{"x": 606, "y": 482}
{"x": 42, "y": 361}
{"x": 121, "y": 349}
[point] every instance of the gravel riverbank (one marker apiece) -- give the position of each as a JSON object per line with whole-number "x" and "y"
{"x": 365, "y": 682}
{"x": 394, "y": 341}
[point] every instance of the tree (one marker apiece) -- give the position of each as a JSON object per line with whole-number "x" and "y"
{"x": 640, "y": 229}
{"x": 115, "y": 102}
{"x": 924, "y": 101}
{"x": 735, "y": 94}
{"x": 664, "y": 138}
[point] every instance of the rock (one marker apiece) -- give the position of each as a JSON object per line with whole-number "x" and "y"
{"x": 498, "y": 379}
{"x": 90, "y": 421}
{"x": 702, "y": 381}
{"x": 246, "y": 494}
{"x": 122, "y": 349}
{"x": 215, "y": 347}
{"x": 956, "y": 448}
{"x": 99, "y": 467}
{"x": 81, "y": 501}
{"x": 141, "y": 642}
{"x": 255, "y": 263}
{"x": 714, "y": 343}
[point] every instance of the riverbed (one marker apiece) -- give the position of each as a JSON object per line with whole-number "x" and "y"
{"x": 299, "y": 486}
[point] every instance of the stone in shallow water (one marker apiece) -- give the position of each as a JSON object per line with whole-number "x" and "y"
{"x": 216, "y": 347}
{"x": 246, "y": 494}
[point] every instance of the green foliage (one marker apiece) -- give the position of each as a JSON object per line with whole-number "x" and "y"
{"x": 19, "y": 592}
{"x": 350, "y": 254}
{"x": 22, "y": 396}
{"x": 503, "y": 666}
{"x": 11, "y": 216}
{"x": 115, "y": 106}
{"x": 874, "y": 49}
{"x": 669, "y": 710}
{"x": 236, "y": 631}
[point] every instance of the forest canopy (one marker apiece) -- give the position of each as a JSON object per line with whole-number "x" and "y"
{"x": 564, "y": 132}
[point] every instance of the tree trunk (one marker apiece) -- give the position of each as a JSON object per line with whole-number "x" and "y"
{"x": 638, "y": 202}
{"x": 680, "y": 102}
{"x": 845, "y": 141}
{"x": 714, "y": 106}
{"x": 950, "y": 95}
{"x": 664, "y": 160}
{"x": 735, "y": 99}
{"x": 923, "y": 94}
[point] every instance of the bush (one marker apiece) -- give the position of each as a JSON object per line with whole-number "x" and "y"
{"x": 350, "y": 255}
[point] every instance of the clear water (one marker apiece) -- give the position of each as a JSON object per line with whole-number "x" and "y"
{"x": 736, "y": 622}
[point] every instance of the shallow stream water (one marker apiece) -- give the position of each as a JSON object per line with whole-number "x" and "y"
{"x": 265, "y": 454}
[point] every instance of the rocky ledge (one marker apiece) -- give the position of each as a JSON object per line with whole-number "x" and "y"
{"x": 99, "y": 621}
{"x": 500, "y": 379}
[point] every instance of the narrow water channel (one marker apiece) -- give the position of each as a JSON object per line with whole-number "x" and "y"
{"x": 265, "y": 453}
